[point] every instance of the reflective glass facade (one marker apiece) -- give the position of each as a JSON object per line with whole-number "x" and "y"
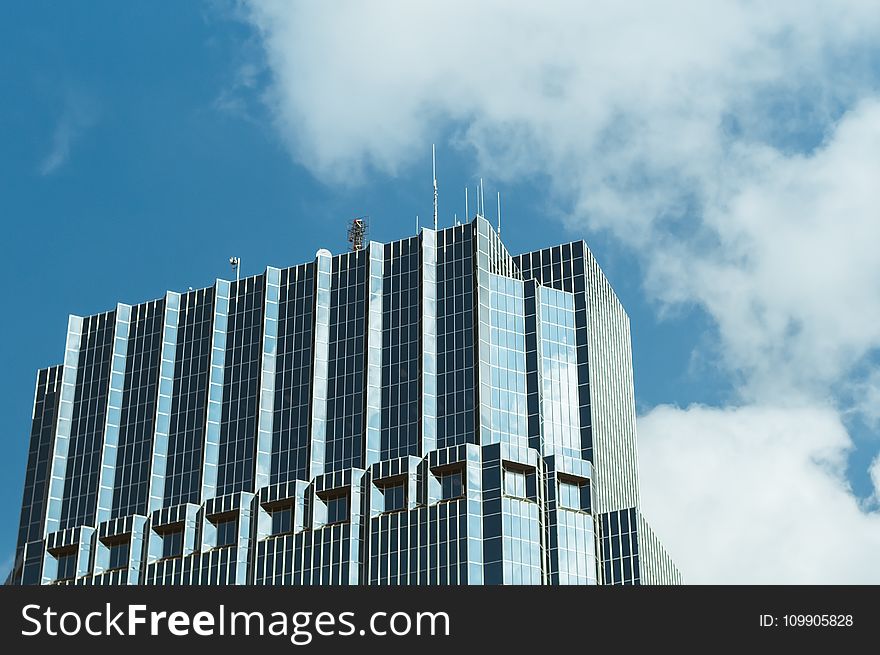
{"x": 346, "y": 363}
{"x": 33, "y": 512}
{"x": 428, "y": 411}
{"x": 183, "y": 475}
{"x": 241, "y": 386}
{"x": 455, "y": 331}
{"x": 293, "y": 376}
{"x": 90, "y": 408}
{"x": 401, "y": 349}
{"x": 138, "y": 414}
{"x": 605, "y": 396}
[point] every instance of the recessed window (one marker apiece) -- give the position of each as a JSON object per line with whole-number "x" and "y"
{"x": 282, "y": 520}
{"x": 337, "y": 508}
{"x": 515, "y": 482}
{"x": 66, "y": 566}
{"x": 119, "y": 555}
{"x": 172, "y": 543}
{"x": 395, "y": 497}
{"x": 451, "y": 485}
{"x": 227, "y": 532}
{"x": 574, "y": 495}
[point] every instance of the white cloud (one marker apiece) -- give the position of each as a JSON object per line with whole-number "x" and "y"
{"x": 78, "y": 114}
{"x": 757, "y": 495}
{"x": 733, "y": 146}
{"x": 669, "y": 125}
{"x": 233, "y": 99}
{"x": 793, "y": 278}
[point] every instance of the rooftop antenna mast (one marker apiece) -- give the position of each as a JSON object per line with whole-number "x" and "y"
{"x": 434, "y": 167}
{"x": 482, "y": 211}
{"x": 357, "y": 232}
{"x": 235, "y": 262}
{"x": 467, "y": 215}
{"x": 499, "y": 213}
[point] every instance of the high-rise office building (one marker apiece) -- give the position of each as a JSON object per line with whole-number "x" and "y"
{"x": 427, "y": 411}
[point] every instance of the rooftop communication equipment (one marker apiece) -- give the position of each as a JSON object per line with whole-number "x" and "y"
{"x": 357, "y": 232}
{"x": 235, "y": 262}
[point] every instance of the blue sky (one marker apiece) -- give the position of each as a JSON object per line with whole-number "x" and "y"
{"x": 695, "y": 152}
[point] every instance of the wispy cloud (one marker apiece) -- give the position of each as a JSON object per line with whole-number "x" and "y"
{"x": 79, "y": 113}
{"x": 236, "y": 98}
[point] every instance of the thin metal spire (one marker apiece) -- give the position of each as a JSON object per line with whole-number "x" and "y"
{"x": 499, "y": 213}
{"x": 434, "y": 166}
{"x": 482, "y": 200}
{"x": 467, "y": 215}
{"x": 417, "y": 223}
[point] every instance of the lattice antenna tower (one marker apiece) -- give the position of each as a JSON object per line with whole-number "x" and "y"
{"x": 357, "y": 232}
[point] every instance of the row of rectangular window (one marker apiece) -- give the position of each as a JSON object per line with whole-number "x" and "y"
{"x": 516, "y": 484}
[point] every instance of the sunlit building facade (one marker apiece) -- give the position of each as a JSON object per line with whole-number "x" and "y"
{"x": 427, "y": 411}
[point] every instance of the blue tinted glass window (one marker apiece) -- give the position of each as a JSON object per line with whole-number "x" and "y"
{"x": 172, "y": 543}
{"x": 451, "y": 485}
{"x": 337, "y": 509}
{"x": 570, "y": 495}
{"x": 66, "y": 566}
{"x": 119, "y": 555}
{"x": 227, "y": 531}
{"x": 515, "y": 482}
{"x": 282, "y": 520}
{"x": 395, "y": 497}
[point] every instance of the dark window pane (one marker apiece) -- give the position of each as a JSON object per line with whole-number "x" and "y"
{"x": 66, "y": 566}
{"x": 337, "y": 509}
{"x": 451, "y": 485}
{"x": 227, "y": 532}
{"x": 395, "y": 497}
{"x": 172, "y": 544}
{"x": 119, "y": 555}
{"x": 282, "y": 520}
